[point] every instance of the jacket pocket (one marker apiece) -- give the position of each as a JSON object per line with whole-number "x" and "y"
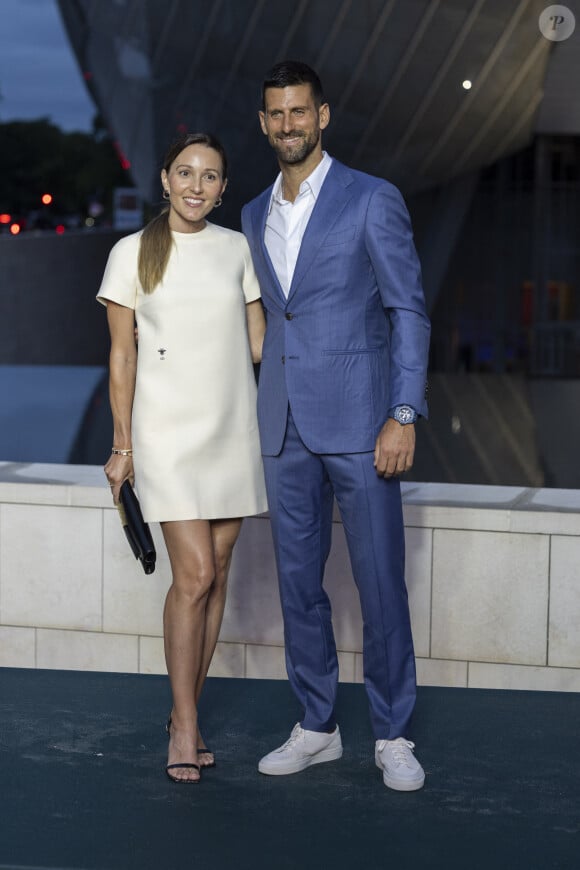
{"x": 340, "y": 237}
{"x": 330, "y": 351}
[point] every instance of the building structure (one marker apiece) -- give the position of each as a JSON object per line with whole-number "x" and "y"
{"x": 491, "y": 172}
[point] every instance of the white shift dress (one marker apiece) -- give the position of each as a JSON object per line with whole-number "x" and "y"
{"x": 196, "y": 447}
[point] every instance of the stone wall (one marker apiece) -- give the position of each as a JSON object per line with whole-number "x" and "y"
{"x": 492, "y": 574}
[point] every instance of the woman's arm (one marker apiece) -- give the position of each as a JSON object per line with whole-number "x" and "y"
{"x": 122, "y": 373}
{"x": 256, "y": 328}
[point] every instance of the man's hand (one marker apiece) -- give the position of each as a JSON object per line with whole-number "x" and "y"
{"x": 395, "y": 448}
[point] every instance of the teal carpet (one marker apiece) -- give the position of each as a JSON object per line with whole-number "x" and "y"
{"x": 82, "y": 783}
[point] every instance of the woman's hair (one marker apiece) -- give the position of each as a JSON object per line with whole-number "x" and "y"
{"x": 156, "y": 240}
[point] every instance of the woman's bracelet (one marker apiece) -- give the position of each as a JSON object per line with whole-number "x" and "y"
{"x": 118, "y": 452}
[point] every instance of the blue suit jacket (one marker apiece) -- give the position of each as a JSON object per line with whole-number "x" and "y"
{"x": 352, "y": 338}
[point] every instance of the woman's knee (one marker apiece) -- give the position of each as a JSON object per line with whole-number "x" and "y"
{"x": 222, "y": 567}
{"x": 190, "y": 549}
{"x": 194, "y": 584}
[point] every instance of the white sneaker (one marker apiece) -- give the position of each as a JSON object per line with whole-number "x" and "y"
{"x": 401, "y": 770}
{"x": 302, "y": 749}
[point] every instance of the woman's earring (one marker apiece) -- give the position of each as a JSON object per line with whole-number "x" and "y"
{"x": 165, "y": 194}
{"x": 218, "y": 202}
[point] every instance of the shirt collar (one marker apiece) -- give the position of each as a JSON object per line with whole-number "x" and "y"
{"x": 313, "y": 183}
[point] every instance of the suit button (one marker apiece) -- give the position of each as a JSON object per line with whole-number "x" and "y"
{"x": 283, "y": 360}
{"x": 288, "y": 316}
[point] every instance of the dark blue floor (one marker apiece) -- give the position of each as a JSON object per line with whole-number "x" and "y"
{"x": 82, "y": 782}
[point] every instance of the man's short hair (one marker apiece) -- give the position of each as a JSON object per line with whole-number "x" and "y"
{"x": 289, "y": 73}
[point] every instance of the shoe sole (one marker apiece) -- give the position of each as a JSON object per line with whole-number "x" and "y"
{"x": 401, "y": 784}
{"x": 319, "y": 758}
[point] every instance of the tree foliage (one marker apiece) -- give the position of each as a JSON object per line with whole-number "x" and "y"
{"x": 78, "y": 169}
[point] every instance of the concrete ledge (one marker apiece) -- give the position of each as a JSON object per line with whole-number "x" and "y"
{"x": 491, "y": 572}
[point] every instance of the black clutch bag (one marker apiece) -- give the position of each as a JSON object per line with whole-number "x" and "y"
{"x": 137, "y": 530}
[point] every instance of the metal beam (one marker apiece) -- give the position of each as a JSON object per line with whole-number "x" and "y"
{"x": 402, "y": 67}
{"x": 480, "y": 81}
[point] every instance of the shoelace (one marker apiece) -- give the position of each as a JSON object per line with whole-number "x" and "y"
{"x": 400, "y": 749}
{"x": 296, "y": 734}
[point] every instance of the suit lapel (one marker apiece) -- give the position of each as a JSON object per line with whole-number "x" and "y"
{"x": 261, "y": 217}
{"x": 332, "y": 199}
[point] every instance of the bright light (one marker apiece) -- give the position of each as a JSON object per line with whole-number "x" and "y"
{"x": 60, "y": 229}
{"x": 89, "y": 222}
{"x": 46, "y": 198}
{"x": 466, "y": 85}
{"x": 5, "y": 218}
{"x": 15, "y": 229}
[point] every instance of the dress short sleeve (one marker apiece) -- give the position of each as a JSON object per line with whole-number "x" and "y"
{"x": 120, "y": 281}
{"x": 250, "y": 281}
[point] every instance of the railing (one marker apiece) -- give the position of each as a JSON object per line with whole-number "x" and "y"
{"x": 555, "y": 350}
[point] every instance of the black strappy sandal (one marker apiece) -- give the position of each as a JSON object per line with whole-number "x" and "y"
{"x": 200, "y": 750}
{"x": 189, "y": 766}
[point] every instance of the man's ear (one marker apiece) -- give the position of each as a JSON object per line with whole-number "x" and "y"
{"x": 262, "y": 118}
{"x": 324, "y": 116}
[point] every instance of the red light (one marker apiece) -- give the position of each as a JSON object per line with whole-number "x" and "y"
{"x": 15, "y": 229}
{"x": 5, "y": 218}
{"x": 60, "y": 229}
{"x": 46, "y": 198}
{"x": 125, "y": 164}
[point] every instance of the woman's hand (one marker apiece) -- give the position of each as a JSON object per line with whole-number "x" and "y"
{"x": 119, "y": 469}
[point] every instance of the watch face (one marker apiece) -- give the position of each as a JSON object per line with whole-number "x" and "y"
{"x": 405, "y": 414}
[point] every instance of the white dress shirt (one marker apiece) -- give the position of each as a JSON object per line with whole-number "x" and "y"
{"x": 287, "y": 221}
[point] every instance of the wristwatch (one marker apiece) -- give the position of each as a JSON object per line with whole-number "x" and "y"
{"x": 403, "y": 414}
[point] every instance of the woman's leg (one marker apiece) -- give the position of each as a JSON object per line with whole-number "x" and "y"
{"x": 191, "y": 554}
{"x": 224, "y": 535}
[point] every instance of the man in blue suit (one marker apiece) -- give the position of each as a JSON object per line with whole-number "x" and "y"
{"x": 342, "y": 381}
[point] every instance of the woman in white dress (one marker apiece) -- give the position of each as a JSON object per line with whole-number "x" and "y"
{"x": 184, "y": 417}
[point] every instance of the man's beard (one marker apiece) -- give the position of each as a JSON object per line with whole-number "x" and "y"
{"x": 301, "y": 151}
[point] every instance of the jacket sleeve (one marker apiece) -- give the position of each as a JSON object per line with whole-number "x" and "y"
{"x": 389, "y": 242}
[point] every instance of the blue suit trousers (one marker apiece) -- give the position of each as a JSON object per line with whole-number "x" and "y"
{"x": 301, "y": 488}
